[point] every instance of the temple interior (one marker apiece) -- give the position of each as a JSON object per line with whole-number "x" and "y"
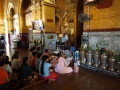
{"x": 90, "y": 26}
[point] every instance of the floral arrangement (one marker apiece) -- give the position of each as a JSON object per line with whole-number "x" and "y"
{"x": 111, "y": 53}
{"x": 83, "y": 47}
{"x": 37, "y": 41}
{"x": 104, "y": 50}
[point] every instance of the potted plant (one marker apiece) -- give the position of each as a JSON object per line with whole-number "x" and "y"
{"x": 104, "y": 57}
{"x": 89, "y": 55}
{"x": 96, "y": 56}
{"x": 89, "y": 48}
{"x": 82, "y": 53}
{"x": 96, "y": 50}
{"x": 118, "y": 63}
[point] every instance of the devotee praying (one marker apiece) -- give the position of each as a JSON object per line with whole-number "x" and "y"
{"x": 45, "y": 73}
{"x": 62, "y": 66}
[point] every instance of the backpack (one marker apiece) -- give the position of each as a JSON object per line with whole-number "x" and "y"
{"x": 2, "y": 46}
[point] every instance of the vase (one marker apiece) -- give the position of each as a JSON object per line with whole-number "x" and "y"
{"x": 118, "y": 67}
{"x": 76, "y": 69}
{"x": 96, "y": 59}
{"x": 103, "y": 61}
{"x": 82, "y": 56}
{"x": 111, "y": 64}
{"x": 89, "y": 58}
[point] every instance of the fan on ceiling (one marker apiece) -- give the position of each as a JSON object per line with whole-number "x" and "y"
{"x": 82, "y": 17}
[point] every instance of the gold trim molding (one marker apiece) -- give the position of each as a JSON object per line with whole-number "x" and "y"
{"x": 49, "y": 4}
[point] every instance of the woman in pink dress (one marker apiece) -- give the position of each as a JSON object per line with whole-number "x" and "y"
{"x": 62, "y": 66}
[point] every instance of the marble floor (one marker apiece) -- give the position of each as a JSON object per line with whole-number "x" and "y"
{"x": 84, "y": 80}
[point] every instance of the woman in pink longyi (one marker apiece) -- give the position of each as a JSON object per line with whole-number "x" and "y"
{"x": 62, "y": 66}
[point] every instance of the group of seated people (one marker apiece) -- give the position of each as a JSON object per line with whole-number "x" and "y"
{"x": 36, "y": 63}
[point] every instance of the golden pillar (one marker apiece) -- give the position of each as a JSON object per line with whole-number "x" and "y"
{"x": 48, "y": 15}
{"x": 22, "y": 23}
{"x": 10, "y": 24}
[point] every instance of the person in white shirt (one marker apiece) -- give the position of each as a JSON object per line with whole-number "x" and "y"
{"x": 64, "y": 39}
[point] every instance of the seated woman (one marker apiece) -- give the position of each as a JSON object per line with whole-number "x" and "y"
{"x": 4, "y": 78}
{"x": 8, "y": 68}
{"x": 47, "y": 52}
{"x": 45, "y": 72}
{"x": 37, "y": 61}
{"x": 30, "y": 56}
{"x": 16, "y": 52}
{"x": 34, "y": 57}
{"x": 26, "y": 72}
{"x": 62, "y": 66}
{"x": 16, "y": 63}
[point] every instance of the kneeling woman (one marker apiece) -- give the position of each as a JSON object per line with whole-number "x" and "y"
{"x": 45, "y": 70}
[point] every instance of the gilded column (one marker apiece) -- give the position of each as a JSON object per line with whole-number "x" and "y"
{"x": 22, "y": 23}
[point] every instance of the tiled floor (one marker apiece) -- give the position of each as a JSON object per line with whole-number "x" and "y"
{"x": 84, "y": 80}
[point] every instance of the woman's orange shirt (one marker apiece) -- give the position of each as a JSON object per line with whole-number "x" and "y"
{"x": 3, "y": 75}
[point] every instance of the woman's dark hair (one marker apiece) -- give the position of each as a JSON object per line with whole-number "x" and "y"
{"x": 16, "y": 56}
{"x": 46, "y": 50}
{"x": 25, "y": 59}
{"x": 7, "y": 60}
{"x": 34, "y": 53}
{"x": 2, "y": 52}
{"x": 44, "y": 58}
{"x": 4, "y": 61}
{"x": 38, "y": 55}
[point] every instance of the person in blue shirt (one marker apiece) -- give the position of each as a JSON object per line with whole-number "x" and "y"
{"x": 72, "y": 48}
{"x": 45, "y": 69}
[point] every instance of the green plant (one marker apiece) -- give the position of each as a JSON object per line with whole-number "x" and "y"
{"x": 111, "y": 53}
{"x": 89, "y": 48}
{"x": 96, "y": 48}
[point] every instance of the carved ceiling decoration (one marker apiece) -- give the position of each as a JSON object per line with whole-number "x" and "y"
{"x": 105, "y": 4}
